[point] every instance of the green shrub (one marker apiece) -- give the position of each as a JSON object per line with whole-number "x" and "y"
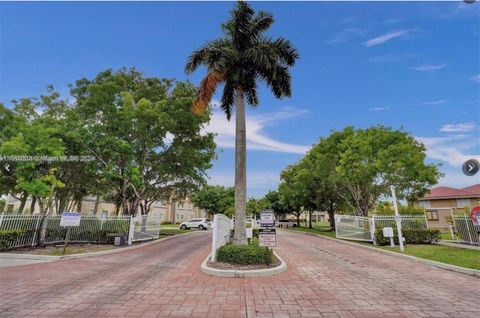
{"x": 244, "y": 254}
{"x": 9, "y": 236}
{"x": 412, "y": 236}
{"x": 166, "y": 223}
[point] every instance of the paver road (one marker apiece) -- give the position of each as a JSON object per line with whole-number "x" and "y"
{"x": 324, "y": 279}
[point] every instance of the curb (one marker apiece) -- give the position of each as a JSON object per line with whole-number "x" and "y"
{"x": 458, "y": 269}
{"x": 91, "y": 254}
{"x": 238, "y": 273}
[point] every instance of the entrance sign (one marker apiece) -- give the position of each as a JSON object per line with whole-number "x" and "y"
{"x": 267, "y": 237}
{"x": 70, "y": 219}
{"x": 267, "y": 218}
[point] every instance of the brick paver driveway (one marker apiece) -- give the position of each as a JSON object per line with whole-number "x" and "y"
{"x": 324, "y": 279}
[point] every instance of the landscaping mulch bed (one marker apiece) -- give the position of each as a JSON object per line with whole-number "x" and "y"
{"x": 220, "y": 265}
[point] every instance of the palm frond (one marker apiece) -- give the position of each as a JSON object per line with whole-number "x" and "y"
{"x": 207, "y": 89}
{"x": 241, "y": 17}
{"x": 228, "y": 98}
{"x": 261, "y": 23}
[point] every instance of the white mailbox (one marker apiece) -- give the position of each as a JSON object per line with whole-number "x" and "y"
{"x": 388, "y": 232}
{"x": 249, "y": 232}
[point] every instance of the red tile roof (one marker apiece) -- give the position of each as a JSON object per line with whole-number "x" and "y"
{"x": 447, "y": 192}
{"x": 475, "y": 189}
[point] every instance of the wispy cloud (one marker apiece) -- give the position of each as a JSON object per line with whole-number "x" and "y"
{"x": 380, "y": 108}
{"x": 429, "y": 67}
{"x": 453, "y": 150}
{"x": 256, "y": 137}
{"x": 455, "y": 128}
{"x": 345, "y": 35}
{"x": 432, "y": 102}
{"x": 427, "y": 103}
{"x": 386, "y": 37}
{"x": 476, "y": 78}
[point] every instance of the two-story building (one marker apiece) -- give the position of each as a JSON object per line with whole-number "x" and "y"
{"x": 172, "y": 211}
{"x": 441, "y": 202}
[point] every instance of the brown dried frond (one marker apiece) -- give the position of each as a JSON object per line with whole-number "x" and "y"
{"x": 207, "y": 89}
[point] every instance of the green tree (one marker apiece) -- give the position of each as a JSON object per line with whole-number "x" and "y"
{"x": 242, "y": 57}
{"x": 255, "y": 206}
{"x": 290, "y": 193}
{"x": 147, "y": 143}
{"x": 215, "y": 199}
{"x": 273, "y": 201}
{"x": 376, "y": 158}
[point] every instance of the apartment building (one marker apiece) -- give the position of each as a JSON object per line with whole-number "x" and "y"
{"x": 174, "y": 212}
{"x": 441, "y": 202}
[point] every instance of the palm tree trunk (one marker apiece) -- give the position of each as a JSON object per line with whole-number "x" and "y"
{"x": 240, "y": 236}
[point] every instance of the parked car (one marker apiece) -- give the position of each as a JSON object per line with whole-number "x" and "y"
{"x": 201, "y": 224}
{"x": 285, "y": 223}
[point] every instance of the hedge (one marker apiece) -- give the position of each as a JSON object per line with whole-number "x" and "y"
{"x": 412, "y": 236}
{"x": 244, "y": 254}
{"x": 9, "y": 236}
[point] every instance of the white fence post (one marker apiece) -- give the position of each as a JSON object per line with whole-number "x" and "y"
{"x": 372, "y": 229}
{"x": 36, "y": 230}
{"x": 215, "y": 238}
{"x": 131, "y": 229}
{"x": 468, "y": 230}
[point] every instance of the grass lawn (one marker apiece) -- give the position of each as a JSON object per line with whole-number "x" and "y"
{"x": 171, "y": 231}
{"x": 445, "y": 254}
{"x": 445, "y": 236}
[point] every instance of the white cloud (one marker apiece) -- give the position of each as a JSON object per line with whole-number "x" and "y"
{"x": 433, "y": 102}
{"x": 256, "y": 137}
{"x": 380, "y": 108}
{"x": 462, "y": 127}
{"x": 429, "y": 67}
{"x": 385, "y": 37}
{"x": 476, "y": 78}
{"x": 450, "y": 149}
{"x": 255, "y": 179}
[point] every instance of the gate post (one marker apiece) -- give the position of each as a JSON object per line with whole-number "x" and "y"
{"x": 131, "y": 230}
{"x": 372, "y": 229}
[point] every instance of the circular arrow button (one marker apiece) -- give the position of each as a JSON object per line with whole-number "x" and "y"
{"x": 470, "y": 167}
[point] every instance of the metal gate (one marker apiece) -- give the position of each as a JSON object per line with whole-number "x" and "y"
{"x": 351, "y": 227}
{"x": 467, "y": 231}
{"x": 145, "y": 227}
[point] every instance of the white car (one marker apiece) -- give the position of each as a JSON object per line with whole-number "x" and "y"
{"x": 201, "y": 224}
{"x": 285, "y": 223}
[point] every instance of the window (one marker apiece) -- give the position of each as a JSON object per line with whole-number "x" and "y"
{"x": 461, "y": 203}
{"x": 432, "y": 215}
{"x": 425, "y": 204}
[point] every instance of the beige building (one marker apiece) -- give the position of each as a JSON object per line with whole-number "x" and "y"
{"x": 175, "y": 212}
{"x": 441, "y": 202}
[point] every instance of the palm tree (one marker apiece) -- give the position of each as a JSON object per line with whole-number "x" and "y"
{"x": 238, "y": 60}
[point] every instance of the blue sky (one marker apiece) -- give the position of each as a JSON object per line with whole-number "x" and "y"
{"x": 406, "y": 65}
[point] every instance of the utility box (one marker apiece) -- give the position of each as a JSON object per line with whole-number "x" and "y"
{"x": 119, "y": 239}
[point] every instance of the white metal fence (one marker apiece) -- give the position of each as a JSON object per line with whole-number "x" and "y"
{"x": 221, "y": 233}
{"x": 466, "y": 230}
{"x": 351, "y": 227}
{"x": 360, "y": 228}
{"x": 22, "y": 230}
{"x": 145, "y": 227}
